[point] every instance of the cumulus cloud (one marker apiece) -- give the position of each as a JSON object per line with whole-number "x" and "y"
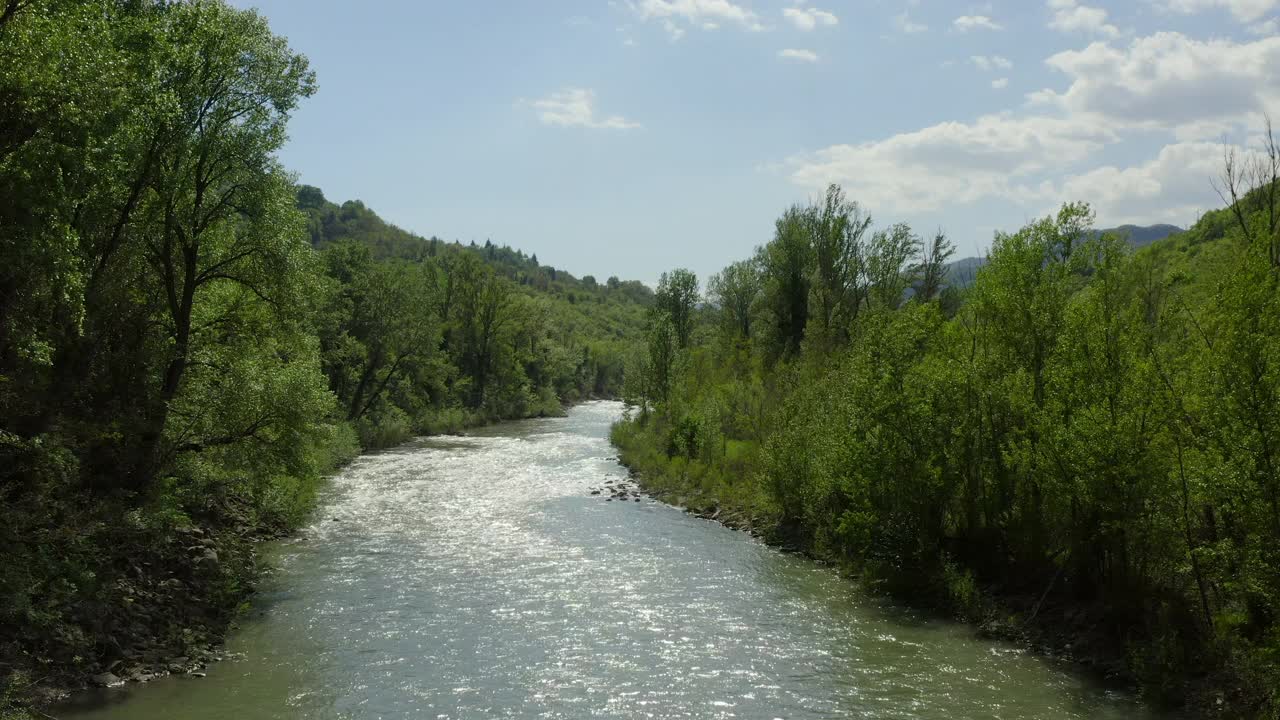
{"x": 575, "y": 107}
{"x": 1179, "y": 96}
{"x": 809, "y": 18}
{"x": 1069, "y": 16}
{"x": 1175, "y": 186}
{"x": 1242, "y": 10}
{"x": 952, "y": 163}
{"x": 1170, "y": 81}
{"x": 800, "y": 55}
{"x": 677, "y": 16}
{"x": 966, "y": 23}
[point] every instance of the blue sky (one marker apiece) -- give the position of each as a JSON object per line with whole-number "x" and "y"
{"x": 628, "y": 137}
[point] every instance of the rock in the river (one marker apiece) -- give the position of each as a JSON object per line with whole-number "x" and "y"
{"x": 106, "y": 679}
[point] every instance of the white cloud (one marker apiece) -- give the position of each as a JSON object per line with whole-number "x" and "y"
{"x": 1166, "y": 89}
{"x": 1175, "y": 186}
{"x": 1170, "y": 81}
{"x": 991, "y": 62}
{"x": 575, "y": 107}
{"x": 809, "y": 18}
{"x": 953, "y": 163}
{"x": 1068, "y": 16}
{"x": 965, "y": 23}
{"x": 677, "y": 15}
{"x": 1025, "y": 160}
{"x": 904, "y": 23}
{"x": 801, "y": 55}
{"x": 1242, "y": 10}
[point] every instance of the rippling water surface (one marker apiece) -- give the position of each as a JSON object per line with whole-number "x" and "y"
{"x": 475, "y": 577}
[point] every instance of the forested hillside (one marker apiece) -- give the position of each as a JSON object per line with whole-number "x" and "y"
{"x": 424, "y": 335}
{"x": 189, "y": 342}
{"x": 1079, "y": 450}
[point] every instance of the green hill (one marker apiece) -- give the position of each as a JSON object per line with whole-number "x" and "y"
{"x": 352, "y": 220}
{"x": 612, "y": 309}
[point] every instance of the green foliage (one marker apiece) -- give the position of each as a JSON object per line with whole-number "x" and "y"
{"x": 1090, "y": 433}
{"x": 418, "y": 335}
{"x": 676, "y": 298}
{"x": 734, "y": 293}
{"x": 189, "y": 342}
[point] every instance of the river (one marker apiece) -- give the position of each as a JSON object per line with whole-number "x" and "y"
{"x": 476, "y": 577}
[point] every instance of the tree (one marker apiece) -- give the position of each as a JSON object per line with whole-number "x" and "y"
{"x": 932, "y": 269}
{"x": 836, "y": 228}
{"x": 664, "y": 345}
{"x": 1250, "y": 188}
{"x": 734, "y": 292}
{"x": 677, "y": 297}
{"x": 218, "y": 207}
{"x": 889, "y": 264}
{"x": 391, "y": 324}
{"x": 785, "y": 263}
{"x": 1019, "y": 302}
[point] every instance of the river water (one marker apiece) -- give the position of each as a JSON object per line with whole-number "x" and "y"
{"x": 476, "y": 577}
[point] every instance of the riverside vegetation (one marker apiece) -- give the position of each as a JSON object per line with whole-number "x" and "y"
{"x": 189, "y": 341}
{"x": 1080, "y": 449}
{"x": 1086, "y": 438}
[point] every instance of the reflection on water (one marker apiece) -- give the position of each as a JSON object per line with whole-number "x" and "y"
{"x": 475, "y": 577}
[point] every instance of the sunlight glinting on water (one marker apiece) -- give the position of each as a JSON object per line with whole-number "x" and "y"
{"x": 471, "y": 577}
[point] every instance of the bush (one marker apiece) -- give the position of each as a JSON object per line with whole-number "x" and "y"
{"x": 385, "y": 427}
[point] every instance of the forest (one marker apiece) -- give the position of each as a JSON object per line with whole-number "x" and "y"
{"x": 1078, "y": 451}
{"x": 190, "y": 340}
{"x": 1077, "y": 447}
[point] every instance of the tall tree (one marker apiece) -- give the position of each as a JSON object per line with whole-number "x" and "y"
{"x": 677, "y": 298}
{"x": 785, "y": 263}
{"x": 836, "y": 230}
{"x": 932, "y": 269}
{"x": 218, "y": 205}
{"x": 734, "y": 291}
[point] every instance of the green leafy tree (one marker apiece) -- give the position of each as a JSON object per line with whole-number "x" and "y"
{"x": 677, "y": 298}
{"x": 785, "y": 263}
{"x": 836, "y": 229}
{"x": 735, "y": 291}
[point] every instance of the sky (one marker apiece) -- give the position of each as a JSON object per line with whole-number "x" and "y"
{"x": 629, "y": 137}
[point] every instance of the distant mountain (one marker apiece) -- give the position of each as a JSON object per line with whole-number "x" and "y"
{"x": 1142, "y": 236}
{"x": 964, "y": 271}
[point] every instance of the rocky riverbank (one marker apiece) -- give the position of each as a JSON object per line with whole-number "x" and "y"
{"x": 164, "y": 606}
